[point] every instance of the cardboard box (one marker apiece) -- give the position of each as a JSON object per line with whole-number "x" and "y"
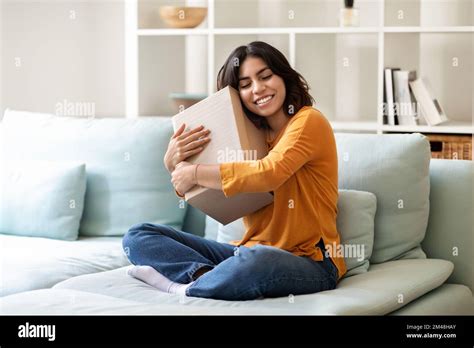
{"x": 234, "y": 138}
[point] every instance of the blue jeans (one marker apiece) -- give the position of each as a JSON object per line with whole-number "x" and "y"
{"x": 235, "y": 273}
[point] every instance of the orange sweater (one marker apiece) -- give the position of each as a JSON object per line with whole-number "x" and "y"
{"x": 301, "y": 170}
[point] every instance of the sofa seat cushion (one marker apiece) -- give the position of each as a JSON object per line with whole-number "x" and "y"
{"x": 448, "y": 299}
{"x": 376, "y": 292}
{"x": 67, "y": 301}
{"x": 29, "y": 263}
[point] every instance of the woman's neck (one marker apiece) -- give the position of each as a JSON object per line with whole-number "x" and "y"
{"x": 277, "y": 122}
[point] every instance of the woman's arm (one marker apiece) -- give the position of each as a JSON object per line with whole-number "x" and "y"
{"x": 208, "y": 175}
{"x": 308, "y": 137}
{"x": 187, "y": 175}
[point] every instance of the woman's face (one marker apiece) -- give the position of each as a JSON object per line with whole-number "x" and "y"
{"x": 261, "y": 91}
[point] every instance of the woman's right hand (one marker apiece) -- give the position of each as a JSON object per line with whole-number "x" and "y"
{"x": 185, "y": 144}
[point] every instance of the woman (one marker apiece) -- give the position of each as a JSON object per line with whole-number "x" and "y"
{"x": 281, "y": 252}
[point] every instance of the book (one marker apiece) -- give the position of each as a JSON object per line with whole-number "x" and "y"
{"x": 234, "y": 138}
{"x": 430, "y": 107}
{"x": 405, "y": 102}
{"x": 389, "y": 103}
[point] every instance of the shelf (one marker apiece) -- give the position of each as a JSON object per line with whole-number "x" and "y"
{"x": 338, "y": 72}
{"x": 454, "y": 127}
{"x": 254, "y": 31}
{"x": 294, "y": 30}
{"x": 320, "y": 30}
{"x": 344, "y": 66}
{"x": 171, "y": 32}
{"x": 428, "y": 29}
{"x": 442, "y": 60}
{"x": 290, "y": 13}
{"x": 428, "y": 13}
{"x": 162, "y": 116}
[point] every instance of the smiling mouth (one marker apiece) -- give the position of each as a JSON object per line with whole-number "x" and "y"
{"x": 265, "y": 100}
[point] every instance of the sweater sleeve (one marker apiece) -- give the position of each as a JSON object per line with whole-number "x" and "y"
{"x": 298, "y": 145}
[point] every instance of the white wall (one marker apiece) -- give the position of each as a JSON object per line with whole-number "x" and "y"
{"x": 68, "y": 50}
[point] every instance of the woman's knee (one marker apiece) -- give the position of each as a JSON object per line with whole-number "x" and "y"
{"x": 132, "y": 237}
{"x": 128, "y": 241}
{"x": 145, "y": 226}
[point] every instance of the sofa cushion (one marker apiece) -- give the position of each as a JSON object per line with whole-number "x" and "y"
{"x": 41, "y": 198}
{"x": 71, "y": 302}
{"x": 448, "y": 299}
{"x": 224, "y": 233}
{"x": 383, "y": 289}
{"x": 449, "y": 234}
{"x": 34, "y": 263}
{"x": 395, "y": 167}
{"x": 212, "y": 226}
{"x": 127, "y": 182}
{"x": 355, "y": 223}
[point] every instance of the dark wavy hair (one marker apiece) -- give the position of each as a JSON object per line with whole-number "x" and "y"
{"x": 297, "y": 88}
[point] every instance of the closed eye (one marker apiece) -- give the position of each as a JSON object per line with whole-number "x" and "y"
{"x": 263, "y": 78}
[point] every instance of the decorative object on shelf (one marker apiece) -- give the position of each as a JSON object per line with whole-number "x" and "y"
{"x": 429, "y": 107}
{"x": 183, "y": 16}
{"x": 448, "y": 146}
{"x": 185, "y": 100}
{"x": 349, "y": 15}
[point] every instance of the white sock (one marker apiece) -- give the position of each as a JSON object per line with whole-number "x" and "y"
{"x": 154, "y": 278}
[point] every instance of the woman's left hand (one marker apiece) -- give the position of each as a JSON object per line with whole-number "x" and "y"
{"x": 183, "y": 177}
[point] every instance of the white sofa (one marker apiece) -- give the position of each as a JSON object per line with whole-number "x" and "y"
{"x": 411, "y": 269}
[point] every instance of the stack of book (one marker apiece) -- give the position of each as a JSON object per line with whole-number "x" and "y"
{"x": 407, "y": 98}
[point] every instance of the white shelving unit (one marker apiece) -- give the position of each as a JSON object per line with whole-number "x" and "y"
{"x": 392, "y": 33}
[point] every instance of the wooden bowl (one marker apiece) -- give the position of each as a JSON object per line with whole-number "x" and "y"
{"x": 183, "y": 16}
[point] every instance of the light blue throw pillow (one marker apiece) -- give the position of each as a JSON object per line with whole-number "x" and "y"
{"x": 41, "y": 198}
{"x": 127, "y": 182}
{"x": 355, "y": 223}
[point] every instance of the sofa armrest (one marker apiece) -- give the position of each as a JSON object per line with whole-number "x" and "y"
{"x": 450, "y": 219}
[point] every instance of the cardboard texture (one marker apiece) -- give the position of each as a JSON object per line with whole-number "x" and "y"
{"x": 234, "y": 138}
